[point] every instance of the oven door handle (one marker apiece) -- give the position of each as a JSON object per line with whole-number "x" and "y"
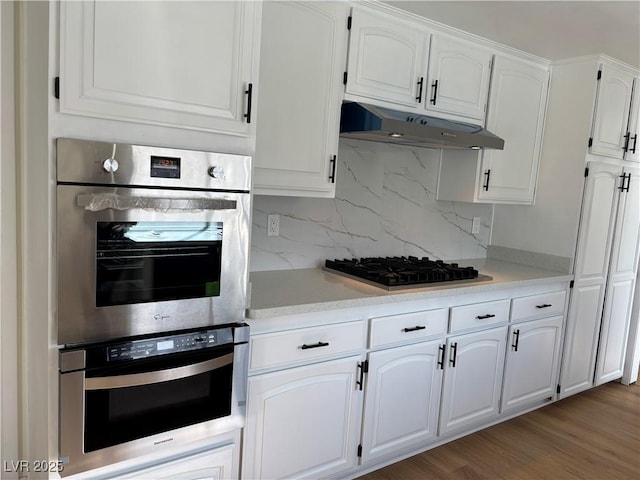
{"x": 149, "y": 378}
{"x": 110, "y": 201}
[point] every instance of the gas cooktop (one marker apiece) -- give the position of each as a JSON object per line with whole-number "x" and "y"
{"x": 394, "y": 273}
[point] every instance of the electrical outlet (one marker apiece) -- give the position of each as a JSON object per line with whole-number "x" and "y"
{"x": 475, "y": 225}
{"x": 273, "y": 225}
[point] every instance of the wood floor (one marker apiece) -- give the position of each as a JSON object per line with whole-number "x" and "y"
{"x": 594, "y": 435}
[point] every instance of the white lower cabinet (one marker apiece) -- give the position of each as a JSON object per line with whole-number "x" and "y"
{"x": 401, "y": 398}
{"x": 303, "y": 422}
{"x": 531, "y": 365}
{"x": 217, "y": 464}
{"x": 429, "y": 375}
{"x": 472, "y": 379}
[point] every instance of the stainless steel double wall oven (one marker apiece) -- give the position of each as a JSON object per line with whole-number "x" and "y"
{"x": 152, "y": 267}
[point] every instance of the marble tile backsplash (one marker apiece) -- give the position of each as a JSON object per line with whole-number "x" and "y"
{"x": 384, "y": 206}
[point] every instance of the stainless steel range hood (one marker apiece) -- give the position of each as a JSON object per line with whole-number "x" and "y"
{"x": 377, "y": 124}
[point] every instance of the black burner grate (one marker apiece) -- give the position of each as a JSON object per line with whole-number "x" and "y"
{"x": 395, "y": 271}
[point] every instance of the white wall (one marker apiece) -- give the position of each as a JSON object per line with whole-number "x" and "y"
{"x": 38, "y": 385}
{"x": 8, "y": 248}
{"x": 385, "y": 206}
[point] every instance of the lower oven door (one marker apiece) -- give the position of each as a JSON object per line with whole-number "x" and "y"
{"x": 110, "y": 414}
{"x": 135, "y": 261}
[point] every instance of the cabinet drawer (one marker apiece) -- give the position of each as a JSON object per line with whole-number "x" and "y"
{"x": 407, "y": 327}
{"x": 293, "y": 346}
{"x": 479, "y": 315}
{"x": 537, "y": 306}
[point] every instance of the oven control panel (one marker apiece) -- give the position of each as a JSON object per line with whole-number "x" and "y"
{"x": 172, "y": 344}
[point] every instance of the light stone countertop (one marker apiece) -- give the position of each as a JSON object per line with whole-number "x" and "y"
{"x": 288, "y": 292}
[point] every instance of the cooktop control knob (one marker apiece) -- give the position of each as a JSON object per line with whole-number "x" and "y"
{"x": 110, "y": 165}
{"x": 216, "y": 172}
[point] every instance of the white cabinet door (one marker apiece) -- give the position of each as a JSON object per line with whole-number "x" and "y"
{"x": 597, "y": 220}
{"x": 517, "y": 106}
{"x": 599, "y": 206}
{"x": 210, "y": 465}
{"x": 182, "y": 64}
{"x": 612, "y": 112}
{"x": 621, "y": 282}
{"x": 303, "y": 54}
{"x": 472, "y": 379}
{"x": 386, "y": 58}
{"x": 402, "y": 397}
{"x": 632, "y": 150}
{"x": 458, "y": 79}
{"x": 303, "y": 422}
{"x": 531, "y": 366}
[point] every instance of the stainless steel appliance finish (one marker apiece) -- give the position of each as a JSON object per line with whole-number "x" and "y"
{"x": 140, "y": 395}
{"x": 368, "y": 122}
{"x": 149, "y": 239}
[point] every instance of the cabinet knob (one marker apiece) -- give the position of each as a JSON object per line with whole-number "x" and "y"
{"x": 516, "y": 339}
{"x": 454, "y": 351}
{"x": 332, "y": 175}
{"x": 420, "y": 85}
{"x": 249, "y": 93}
{"x": 304, "y": 346}
{"x": 413, "y": 329}
{"x": 487, "y": 175}
{"x": 434, "y": 89}
{"x": 626, "y": 181}
{"x": 441, "y": 349}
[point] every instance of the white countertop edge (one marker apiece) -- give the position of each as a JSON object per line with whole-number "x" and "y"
{"x": 384, "y": 297}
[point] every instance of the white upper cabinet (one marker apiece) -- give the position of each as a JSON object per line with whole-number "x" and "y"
{"x": 389, "y": 58}
{"x": 609, "y": 135}
{"x": 458, "y": 79}
{"x": 303, "y": 55}
{"x": 386, "y": 58}
{"x": 632, "y": 148}
{"x": 516, "y": 114}
{"x": 181, "y": 64}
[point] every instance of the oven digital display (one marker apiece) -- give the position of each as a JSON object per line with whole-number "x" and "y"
{"x": 165, "y": 345}
{"x": 165, "y": 167}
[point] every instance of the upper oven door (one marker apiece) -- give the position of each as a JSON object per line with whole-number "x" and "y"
{"x": 136, "y": 261}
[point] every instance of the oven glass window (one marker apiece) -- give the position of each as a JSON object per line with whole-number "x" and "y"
{"x": 138, "y": 262}
{"x": 117, "y": 415}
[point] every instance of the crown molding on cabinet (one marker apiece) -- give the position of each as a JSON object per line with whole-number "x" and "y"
{"x": 437, "y": 27}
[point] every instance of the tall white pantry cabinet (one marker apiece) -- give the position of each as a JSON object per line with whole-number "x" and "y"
{"x": 606, "y": 259}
